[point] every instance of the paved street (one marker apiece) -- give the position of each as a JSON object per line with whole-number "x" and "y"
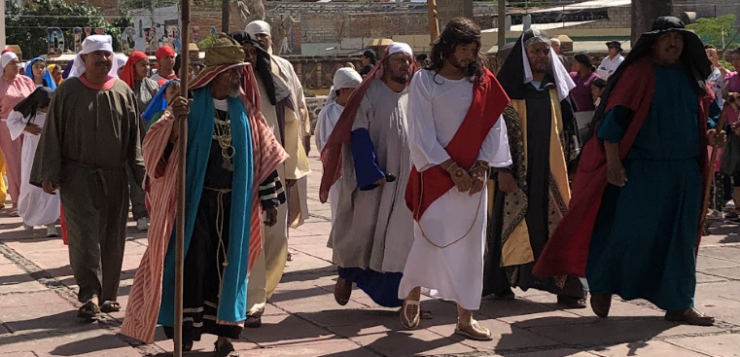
{"x": 38, "y": 303}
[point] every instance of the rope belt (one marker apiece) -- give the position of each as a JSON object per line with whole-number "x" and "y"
{"x": 472, "y": 224}
{"x": 221, "y": 250}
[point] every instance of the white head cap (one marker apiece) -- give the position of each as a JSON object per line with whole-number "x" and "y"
{"x": 346, "y": 78}
{"x": 7, "y": 57}
{"x": 400, "y": 47}
{"x": 97, "y": 43}
{"x": 259, "y": 27}
{"x": 92, "y": 44}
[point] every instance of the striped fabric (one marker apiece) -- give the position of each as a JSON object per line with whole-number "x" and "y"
{"x": 145, "y": 298}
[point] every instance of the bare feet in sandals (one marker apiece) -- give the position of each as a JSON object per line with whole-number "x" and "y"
{"x": 88, "y": 310}
{"x": 110, "y": 306}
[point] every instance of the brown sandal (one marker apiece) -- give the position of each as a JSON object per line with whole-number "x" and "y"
{"x": 88, "y": 311}
{"x": 342, "y": 291}
{"x": 410, "y": 322}
{"x": 110, "y": 306}
{"x": 690, "y": 317}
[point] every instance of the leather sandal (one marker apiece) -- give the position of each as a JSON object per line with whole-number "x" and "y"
{"x": 253, "y": 321}
{"x": 600, "y": 304}
{"x": 110, "y": 306}
{"x": 690, "y": 317}
{"x": 226, "y": 350}
{"x": 410, "y": 322}
{"x": 88, "y": 311}
{"x": 474, "y": 331}
{"x": 342, "y": 291}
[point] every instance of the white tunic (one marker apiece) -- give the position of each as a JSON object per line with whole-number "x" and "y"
{"x": 437, "y": 108}
{"x": 608, "y": 66}
{"x": 36, "y": 207}
{"x": 328, "y": 118}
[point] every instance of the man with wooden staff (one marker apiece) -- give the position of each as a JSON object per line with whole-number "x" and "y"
{"x": 635, "y": 216}
{"x": 230, "y": 150}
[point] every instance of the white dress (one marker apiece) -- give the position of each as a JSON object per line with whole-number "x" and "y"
{"x": 437, "y": 108}
{"x": 328, "y": 118}
{"x": 36, "y": 207}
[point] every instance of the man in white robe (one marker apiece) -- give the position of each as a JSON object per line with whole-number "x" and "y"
{"x": 282, "y": 106}
{"x": 372, "y": 233}
{"x": 345, "y": 82}
{"x": 455, "y": 135}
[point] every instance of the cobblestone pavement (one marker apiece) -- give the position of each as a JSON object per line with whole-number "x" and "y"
{"x": 37, "y": 310}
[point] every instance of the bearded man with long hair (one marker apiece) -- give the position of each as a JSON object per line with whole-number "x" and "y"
{"x": 456, "y": 135}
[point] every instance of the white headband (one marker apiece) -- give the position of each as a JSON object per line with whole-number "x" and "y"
{"x": 400, "y": 47}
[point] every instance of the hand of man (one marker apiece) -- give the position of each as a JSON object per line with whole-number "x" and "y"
{"x": 506, "y": 182}
{"x": 716, "y": 139}
{"x": 290, "y": 183}
{"x": 181, "y": 107}
{"x": 462, "y": 180}
{"x": 33, "y": 129}
{"x": 615, "y": 173}
{"x": 49, "y": 187}
{"x": 271, "y": 216}
{"x": 381, "y": 182}
{"x": 478, "y": 176}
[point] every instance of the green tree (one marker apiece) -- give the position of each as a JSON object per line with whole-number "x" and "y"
{"x": 26, "y": 26}
{"x": 717, "y": 31}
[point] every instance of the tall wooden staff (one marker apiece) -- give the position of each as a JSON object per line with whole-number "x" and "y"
{"x": 182, "y": 144}
{"x": 433, "y": 21}
{"x": 710, "y": 172}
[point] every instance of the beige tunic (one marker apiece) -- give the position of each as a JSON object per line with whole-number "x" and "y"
{"x": 374, "y": 229}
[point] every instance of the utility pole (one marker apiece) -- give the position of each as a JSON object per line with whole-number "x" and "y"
{"x": 644, "y": 12}
{"x": 433, "y": 20}
{"x": 501, "y": 23}
{"x": 225, "y": 15}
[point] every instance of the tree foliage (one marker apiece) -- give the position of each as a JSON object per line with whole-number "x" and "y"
{"x": 27, "y": 26}
{"x": 713, "y": 30}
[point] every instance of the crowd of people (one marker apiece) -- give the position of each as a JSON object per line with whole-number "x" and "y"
{"x": 444, "y": 179}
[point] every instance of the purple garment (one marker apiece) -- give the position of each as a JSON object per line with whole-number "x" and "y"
{"x": 733, "y": 80}
{"x": 582, "y": 92}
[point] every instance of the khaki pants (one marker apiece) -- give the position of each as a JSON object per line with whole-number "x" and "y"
{"x": 268, "y": 269}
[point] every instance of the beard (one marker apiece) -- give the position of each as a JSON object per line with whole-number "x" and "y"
{"x": 400, "y": 77}
{"x": 461, "y": 65}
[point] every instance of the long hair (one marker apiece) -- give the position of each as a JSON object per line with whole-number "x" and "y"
{"x": 459, "y": 31}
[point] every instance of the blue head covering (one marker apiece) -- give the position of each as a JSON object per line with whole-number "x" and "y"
{"x": 158, "y": 103}
{"x": 48, "y": 79}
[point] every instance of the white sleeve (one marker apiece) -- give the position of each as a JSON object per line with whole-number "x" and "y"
{"x": 426, "y": 151}
{"x": 321, "y": 136}
{"x": 16, "y": 124}
{"x": 495, "y": 149}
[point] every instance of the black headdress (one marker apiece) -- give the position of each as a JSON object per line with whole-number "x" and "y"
{"x": 40, "y": 98}
{"x": 264, "y": 63}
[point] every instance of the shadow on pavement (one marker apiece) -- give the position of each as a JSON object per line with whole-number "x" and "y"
{"x": 306, "y": 275}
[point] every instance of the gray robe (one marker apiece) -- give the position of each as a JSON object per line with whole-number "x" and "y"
{"x": 374, "y": 229}
{"x": 89, "y": 138}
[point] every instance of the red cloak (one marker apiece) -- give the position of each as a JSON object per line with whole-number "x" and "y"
{"x": 566, "y": 252}
{"x": 489, "y": 102}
